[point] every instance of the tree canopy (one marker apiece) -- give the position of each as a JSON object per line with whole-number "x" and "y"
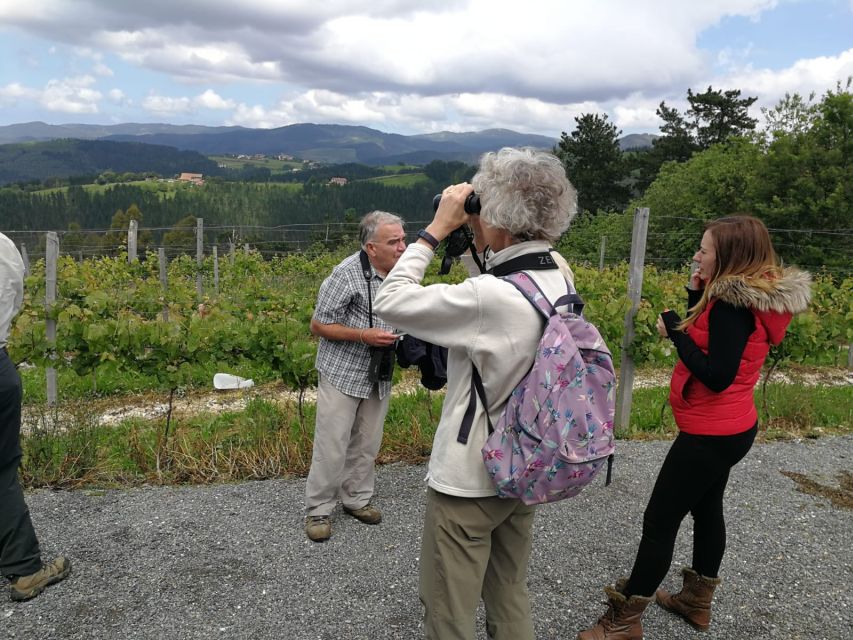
{"x": 713, "y": 117}
{"x": 795, "y": 175}
{"x": 594, "y": 163}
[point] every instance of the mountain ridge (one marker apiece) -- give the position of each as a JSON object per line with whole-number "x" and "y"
{"x": 328, "y": 143}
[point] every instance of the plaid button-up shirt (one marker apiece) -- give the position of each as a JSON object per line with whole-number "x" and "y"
{"x": 343, "y": 299}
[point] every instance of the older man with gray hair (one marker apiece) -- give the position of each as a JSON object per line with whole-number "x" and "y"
{"x": 354, "y": 362}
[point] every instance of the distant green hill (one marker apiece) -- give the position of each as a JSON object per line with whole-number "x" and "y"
{"x": 41, "y": 131}
{"x": 69, "y": 158}
{"x": 336, "y": 144}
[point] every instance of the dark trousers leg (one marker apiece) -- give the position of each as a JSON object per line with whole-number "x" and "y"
{"x": 19, "y": 547}
{"x": 693, "y": 480}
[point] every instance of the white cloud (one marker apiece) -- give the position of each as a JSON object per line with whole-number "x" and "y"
{"x": 102, "y": 70}
{"x": 167, "y": 106}
{"x": 803, "y": 77}
{"x": 118, "y": 97}
{"x": 730, "y": 58}
{"x": 211, "y": 100}
{"x": 67, "y": 95}
{"x": 404, "y": 65}
{"x": 71, "y": 95}
{"x": 15, "y": 91}
{"x": 549, "y": 49}
{"x": 413, "y": 113}
{"x": 636, "y": 114}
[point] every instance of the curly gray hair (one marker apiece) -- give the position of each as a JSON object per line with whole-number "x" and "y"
{"x": 525, "y": 192}
{"x": 371, "y": 222}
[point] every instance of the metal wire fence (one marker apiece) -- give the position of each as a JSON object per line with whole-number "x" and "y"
{"x": 588, "y": 245}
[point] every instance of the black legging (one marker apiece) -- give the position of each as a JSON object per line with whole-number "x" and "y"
{"x": 692, "y": 479}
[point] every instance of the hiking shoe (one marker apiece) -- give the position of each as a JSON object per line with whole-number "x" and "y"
{"x": 318, "y": 528}
{"x": 368, "y": 514}
{"x": 26, "y": 587}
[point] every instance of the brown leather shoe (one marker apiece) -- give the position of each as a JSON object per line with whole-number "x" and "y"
{"x": 318, "y": 528}
{"x": 368, "y": 514}
{"x": 26, "y": 587}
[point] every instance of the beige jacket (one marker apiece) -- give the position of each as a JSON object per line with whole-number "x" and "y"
{"x": 483, "y": 320}
{"x": 11, "y": 285}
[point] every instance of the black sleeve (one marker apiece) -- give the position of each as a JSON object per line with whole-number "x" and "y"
{"x": 693, "y": 296}
{"x": 729, "y": 328}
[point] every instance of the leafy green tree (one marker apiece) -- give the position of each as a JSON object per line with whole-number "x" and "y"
{"x": 74, "y": 240}
{"x": 444, "y": 173}
{"x": 117, "y": 236}
{"x": 582, "y": 242}
{"x": 713, "y": 117}
{"x": 181, "y": 237}
{"x": 800, "y": 184}
{"x": 806, "y": 183}
{"x": 677, "y": 141}
{"x": 719, "y": 115}
{"x": 593, "y": 162}
{"x": 106, "y": 177}
{"x": 715, "y": 182}
{"x": 676, "y": 144}
{"x": 791, "y": 115}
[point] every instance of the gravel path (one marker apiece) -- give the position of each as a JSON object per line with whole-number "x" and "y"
{"x": 231, "y": 561}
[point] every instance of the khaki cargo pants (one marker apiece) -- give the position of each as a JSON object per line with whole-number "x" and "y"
{"x": 473, "y": 548}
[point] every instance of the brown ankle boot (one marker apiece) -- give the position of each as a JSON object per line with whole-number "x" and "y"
{"x": 622, "y": 620}
{"x": 693, "y": 602}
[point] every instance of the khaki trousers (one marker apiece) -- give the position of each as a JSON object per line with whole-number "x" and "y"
{"x": 347, "y": 436}
{"x": 473, "y": 548}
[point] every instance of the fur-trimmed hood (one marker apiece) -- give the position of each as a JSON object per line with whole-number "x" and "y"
{"x": 790, "y": 293}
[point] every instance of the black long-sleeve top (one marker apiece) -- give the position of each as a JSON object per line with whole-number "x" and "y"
{"x": 729, "y": 328}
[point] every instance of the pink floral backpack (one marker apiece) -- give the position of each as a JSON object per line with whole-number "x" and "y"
{"x": 556, "y": 431}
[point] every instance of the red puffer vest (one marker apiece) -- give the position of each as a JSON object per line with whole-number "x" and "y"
{"x": 700, "y": 411}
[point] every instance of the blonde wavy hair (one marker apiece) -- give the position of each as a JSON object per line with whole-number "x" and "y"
{"x": 744, "y": 251}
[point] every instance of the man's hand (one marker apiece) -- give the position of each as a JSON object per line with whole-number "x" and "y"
{"x": 376, "y": 337}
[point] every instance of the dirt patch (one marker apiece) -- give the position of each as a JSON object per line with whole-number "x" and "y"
{"x": 150, "y": 406}
{"x": 840, "y": 496}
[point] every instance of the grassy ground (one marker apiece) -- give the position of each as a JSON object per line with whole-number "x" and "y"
{"x": 266, "y": 432}
{"x": 402, "y": 180}
{"x": 273, "y": 164}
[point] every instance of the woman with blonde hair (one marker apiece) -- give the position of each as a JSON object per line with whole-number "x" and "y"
{"x": 740, "y": 303}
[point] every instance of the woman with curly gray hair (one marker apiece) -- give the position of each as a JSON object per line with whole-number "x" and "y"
{"x": 476, "y": 544}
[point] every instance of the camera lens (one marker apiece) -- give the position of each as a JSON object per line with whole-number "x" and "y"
{"x": 472, "y": 203}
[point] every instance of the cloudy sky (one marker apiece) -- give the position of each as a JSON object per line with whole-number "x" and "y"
{"x": 408, "y": 66}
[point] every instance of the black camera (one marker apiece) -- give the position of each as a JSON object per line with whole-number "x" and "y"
{"x": 381, "y": 366}
{"x": 472, "y": 204}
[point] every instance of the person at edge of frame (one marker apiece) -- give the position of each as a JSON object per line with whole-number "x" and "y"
{"x": 351, "y": 404}
{"x": 20, "y": 554}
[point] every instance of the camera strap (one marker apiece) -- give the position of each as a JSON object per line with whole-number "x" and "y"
{"x": 368, "y": 275}
{"x": 528, "y": 262}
